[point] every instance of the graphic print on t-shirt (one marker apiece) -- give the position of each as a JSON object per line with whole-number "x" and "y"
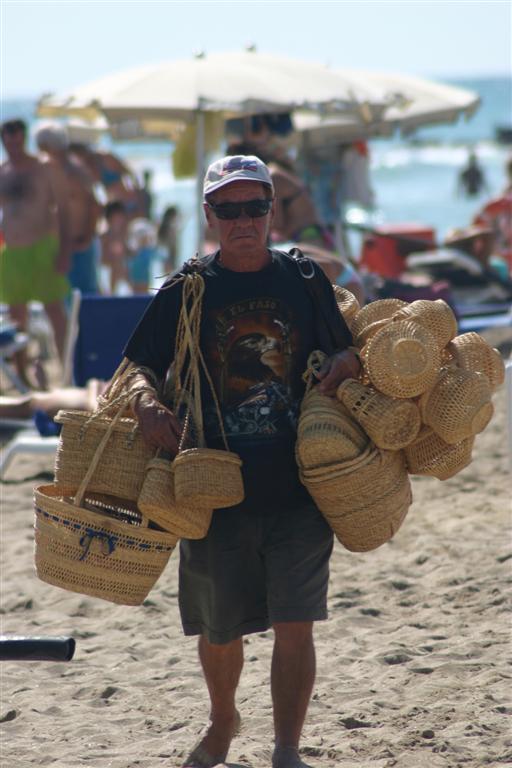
{"x": 250, "y": 349}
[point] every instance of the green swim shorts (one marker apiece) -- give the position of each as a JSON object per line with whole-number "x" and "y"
{"x": 27, "y": 273}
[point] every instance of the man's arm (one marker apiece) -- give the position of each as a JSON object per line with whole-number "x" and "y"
{"x": 159, "y": 426}
{"x": 58, "y": 193}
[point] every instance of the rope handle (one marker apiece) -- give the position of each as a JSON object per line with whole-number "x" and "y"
{"x": 95, "y": 460}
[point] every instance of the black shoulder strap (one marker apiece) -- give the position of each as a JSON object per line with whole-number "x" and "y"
{"x": 332, "y": 330}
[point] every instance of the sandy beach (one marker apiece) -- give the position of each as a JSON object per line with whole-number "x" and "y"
{"x": 412, "y": 663}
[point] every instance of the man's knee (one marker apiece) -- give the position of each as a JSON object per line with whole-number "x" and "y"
{"x": 293, "y": 633}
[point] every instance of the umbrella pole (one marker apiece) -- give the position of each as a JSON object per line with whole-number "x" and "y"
{"x": 200, "y": 162}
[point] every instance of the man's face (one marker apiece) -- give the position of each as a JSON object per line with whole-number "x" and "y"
{"x": 13, "y": 141}
{"x": 243, "y": 234}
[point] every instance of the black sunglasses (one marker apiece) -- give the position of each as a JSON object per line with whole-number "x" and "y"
{"x": 253, "y": 208}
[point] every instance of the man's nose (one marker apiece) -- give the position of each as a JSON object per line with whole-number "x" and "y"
{"x": 244, "y": 217}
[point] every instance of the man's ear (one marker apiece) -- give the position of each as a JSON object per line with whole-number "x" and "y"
{"x": 208, "y": 214}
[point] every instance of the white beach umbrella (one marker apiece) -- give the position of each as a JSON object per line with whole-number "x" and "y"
{"x": 159, "y": 99}
{"x": 414, "y": 102}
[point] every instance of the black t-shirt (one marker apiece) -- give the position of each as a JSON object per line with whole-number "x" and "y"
{"x": 257, "y": 331}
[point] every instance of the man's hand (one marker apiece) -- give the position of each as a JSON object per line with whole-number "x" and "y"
{"x": 337, "y": 368}
{"x": 159, "y": 426}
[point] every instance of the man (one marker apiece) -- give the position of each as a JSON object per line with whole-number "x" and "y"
{"x": 471, "y": 179}
{"x": 35, "y": 254}
{"x": 82, "y": 207}
{"x": 497, "y": 214}
{"x": 264, "y": 562}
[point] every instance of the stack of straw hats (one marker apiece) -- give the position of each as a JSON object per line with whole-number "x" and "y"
{"x": 412, "y": 356}
{"x": 423, "y": 395}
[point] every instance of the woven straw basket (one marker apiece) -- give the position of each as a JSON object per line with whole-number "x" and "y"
{"x": 207, "y": 477}
{"x": 472, "y": 353}
{"x": 381, "y": 309}
{"x": 436, "y": 316}
{"x": 458, "y": 406}
{"x": 108, "y": 553}
{"x": 430, "y": 455}
{"x": 327, "y": 433}
{"x": 402, "y": 359}
{"x": 123, "y": 465}
{"x": 391, "y": 423}
{"x": 157, "y": 501}
{"x": 347, "y": 303}
{"x": 364, "y": 503}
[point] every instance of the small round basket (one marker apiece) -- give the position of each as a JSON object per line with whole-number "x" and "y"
{"x": 208, "y": 478}
{"x": 157, "y": 502}
{"x": 364, "y": 503}
{"x": 347, "y": 303}
{"x": 381, "y": 309}
{"x": 122, "y": 468}
{"x": 366, "y": 334}
{"x": 472, "y": 353}
{"x": 97, "y": 545}
{"x": 430, "y": 455}
{"x": 391, "y": 423}
{"x": 436, "y": 316}
{"x": 458, "y": 406}
{"x": 402, "y": 359}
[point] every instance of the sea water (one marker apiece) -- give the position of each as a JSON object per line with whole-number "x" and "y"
{"x": 414, "y": 178}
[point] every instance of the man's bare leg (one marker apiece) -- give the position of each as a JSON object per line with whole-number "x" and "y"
{"x": 222, "y": 666}
{"x": 58, "y": 319}
{"x": 292, "y": 679}
{"x": 19, "y": 313}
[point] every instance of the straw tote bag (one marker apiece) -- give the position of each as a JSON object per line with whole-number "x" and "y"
{"x": 97, "y": 544}
{"x": 123, "y": 462}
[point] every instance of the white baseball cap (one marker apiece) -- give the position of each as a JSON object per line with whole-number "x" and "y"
{"x": 235, "y": 168}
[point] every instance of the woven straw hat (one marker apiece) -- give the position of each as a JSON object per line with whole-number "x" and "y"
{"x": 430, "y": 455}
{"x": 436, "y": 316}
{"x": 347, "y": 303}
{"x": 391, "y": 423}
{"x": 458, "y": 405}
{"x": 402, "y": 359}
{"x": 472, "y": 353}
{"x": 381, "y": 309}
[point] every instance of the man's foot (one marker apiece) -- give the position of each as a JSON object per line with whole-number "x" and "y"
{"x": 287, "y": 757}
{"x": 213, "y": 748}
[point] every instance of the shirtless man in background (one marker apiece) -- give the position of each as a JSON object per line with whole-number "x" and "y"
{"x": 34, "y": 256}
{"x": 83, "y": 209}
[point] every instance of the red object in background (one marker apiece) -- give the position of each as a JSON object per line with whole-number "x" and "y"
{"x": 385, "y": 252}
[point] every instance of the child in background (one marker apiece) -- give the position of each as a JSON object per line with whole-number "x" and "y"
{"x": 143, "y": 252}
{"x": 113, "y": 244}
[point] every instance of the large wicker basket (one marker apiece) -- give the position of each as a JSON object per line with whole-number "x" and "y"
{"x": 157, "y": 501}
{"x": 123, "y": 465}
{"x": 391, "y": 423}
{"x": 97, "y": 545}
{"x": 364, "y": 503}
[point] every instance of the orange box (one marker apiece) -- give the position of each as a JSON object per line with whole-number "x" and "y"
{"x": 385, "y": 252}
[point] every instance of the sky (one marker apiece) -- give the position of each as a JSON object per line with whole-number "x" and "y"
{"x": 54, "y": 45}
